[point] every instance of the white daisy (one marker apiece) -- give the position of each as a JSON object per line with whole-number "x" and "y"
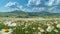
{"x": 56, "y": 22}
{"x": 34, "y": 28}
{"x": 58, "y": 25}
{"x": 50, "y": 28}
{"x": 26, "y": 31}
{"x": 6, "y": 31}
{"x": 8, "y": 23}
{"x": 13, "y": 24}
{"x": 41, "y": 30}
{"x": 56, "y": 30}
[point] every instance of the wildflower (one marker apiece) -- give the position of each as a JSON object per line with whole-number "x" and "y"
{"x": 56, "y": 30}
{"x": 34, "y": 28}
{"x": 26, "y": 31}
{"x": 29, "y": 24}
{"x": 41, "y": 30}
{"x": 22, "y": 23}
{"x": 32, "y": 22}
{"x": 23, "y": 28}
{"x": 6, "y": 31}
{"x": 48, "y": 24}
{"x": 26, "y": 20}
{"x": 58, "y": 25}
{"x": 50, "y": 28}
{"x": 26, "y": 25}
{"x": 56, "y": 22}
{"x": 8, "y": 23}
{"x": 19, "y": 25}
{"x": 13, "y": 24}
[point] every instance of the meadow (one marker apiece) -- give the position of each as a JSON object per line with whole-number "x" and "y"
{"x": 29, "y": 26}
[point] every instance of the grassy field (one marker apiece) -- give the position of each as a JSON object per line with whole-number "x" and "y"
{"x": 29, "y": 26}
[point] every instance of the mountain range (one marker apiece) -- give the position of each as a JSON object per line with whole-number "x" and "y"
{"x": 23, "y": 14}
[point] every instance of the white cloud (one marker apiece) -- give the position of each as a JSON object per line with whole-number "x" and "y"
{"x": 29, "y": 2}
{"x": 38, "y": 2}
{"x": 57, "y": 2}
{"x": 35, "y": 8}
{"x": 50, "y": 3}
{"x": 41, "y": 8}
{"x": 47, "y": 3}
{"x": 34, "y": 2}
{"x": 10, "y": 4}
{"x": 38, "y": 9}
{"x": 20, "y": 7}
{"x": 52, "y": 8}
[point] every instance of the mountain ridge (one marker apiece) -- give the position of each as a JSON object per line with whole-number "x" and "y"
{"x": 20, "y": 13}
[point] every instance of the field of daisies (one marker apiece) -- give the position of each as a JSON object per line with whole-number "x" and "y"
{"x": 29, "y": 26}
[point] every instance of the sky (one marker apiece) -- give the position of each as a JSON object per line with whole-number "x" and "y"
{"x": 30, "y": 5}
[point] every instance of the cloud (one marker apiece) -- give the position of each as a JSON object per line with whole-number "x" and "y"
{"x": 49, "y": 3}
{"x": 57, "y": 2}
{"x": 52, "y": 2}
{"x": 20, "y": 7}
{"x": 38, "y": 2}
{"x": 12, "y": 5}
{"x": 9, "y": 4}
{"x": 34, "y": 5}
{"x": 38, "y": 8}
{"x": 52, "y": 8}
{"x": 33, "y": 2}
{"x": 42, "y": 8}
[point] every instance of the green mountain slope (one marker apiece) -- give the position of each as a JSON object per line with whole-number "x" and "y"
{"x": 22, "y": 14}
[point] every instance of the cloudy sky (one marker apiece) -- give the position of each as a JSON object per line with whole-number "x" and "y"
{"x": 30, "y": 5}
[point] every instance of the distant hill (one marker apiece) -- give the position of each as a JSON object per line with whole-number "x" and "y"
{"x": 21, "y": 14}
